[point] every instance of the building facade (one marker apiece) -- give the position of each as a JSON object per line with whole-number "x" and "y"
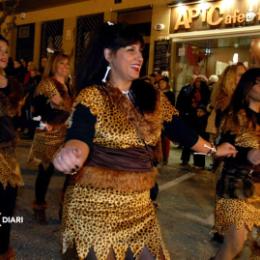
{"x": 181, "y": 39}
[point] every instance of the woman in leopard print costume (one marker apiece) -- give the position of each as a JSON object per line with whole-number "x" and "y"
{"x": 115, "y": 126}
{"x": 10, "y": 177}
{"x": 52, "y": 102}
{"x": 238, "y": 188}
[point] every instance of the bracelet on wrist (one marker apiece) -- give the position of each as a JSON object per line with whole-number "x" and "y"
{"x": 212, "y": 149}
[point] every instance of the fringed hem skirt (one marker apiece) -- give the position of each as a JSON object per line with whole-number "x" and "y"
{"x": 45, "y": 144}
{"x": 238, "y": 212}
{"x": 105, "y": 219}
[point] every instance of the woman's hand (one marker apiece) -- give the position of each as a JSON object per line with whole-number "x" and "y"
{"x": 253, "y": 156}
{"x": 68, "y": 160}
{"x": 3, "y": 81}
{"x": 226, "y": 150}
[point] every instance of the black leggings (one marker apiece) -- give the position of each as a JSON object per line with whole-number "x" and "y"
{"x": 7, "y": 205}
{"x": 42, "y": 183}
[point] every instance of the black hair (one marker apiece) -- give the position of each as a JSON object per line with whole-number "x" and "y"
{"x": 165, "y": 78}
{"x": 240, "y": 96}
{"x": 93, "y": 64}
{"x": 2, "y": 38}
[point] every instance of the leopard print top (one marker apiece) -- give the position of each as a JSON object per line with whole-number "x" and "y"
{"x": 113, "y": 127}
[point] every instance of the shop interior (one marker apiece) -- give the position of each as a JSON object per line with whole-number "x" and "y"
{"x": 210, "y": 56}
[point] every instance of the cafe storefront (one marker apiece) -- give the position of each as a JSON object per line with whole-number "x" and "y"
{"x": 205, "y": 37}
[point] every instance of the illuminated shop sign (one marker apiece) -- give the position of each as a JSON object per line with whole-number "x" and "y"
{"x": 214, "y": 15}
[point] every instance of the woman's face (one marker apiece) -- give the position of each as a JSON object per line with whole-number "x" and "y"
{"x": 163, "y": 85}
{"x": 3, "y": 54}
{"x": 126, "y": 63}
{"x": 254, "y": 93}
{"x": 62, "y": 68}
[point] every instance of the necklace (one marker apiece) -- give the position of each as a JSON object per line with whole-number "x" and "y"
{"x": 125, "y": 92}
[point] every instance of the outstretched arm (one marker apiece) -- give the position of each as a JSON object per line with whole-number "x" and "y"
{"x": 223, "y": 150}
{"x": 177, "y": 130}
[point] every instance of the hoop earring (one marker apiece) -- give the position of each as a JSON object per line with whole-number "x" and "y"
{"x": 106, "y": 74}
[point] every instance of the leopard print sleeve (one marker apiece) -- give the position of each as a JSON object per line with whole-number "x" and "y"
{"x": 47, "y": 88}
{"x": 92, "y": 98}
{"x": 168, "y": 111}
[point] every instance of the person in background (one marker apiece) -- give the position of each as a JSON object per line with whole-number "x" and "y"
{"x": 43, "y": 64}
{"x": 19, "y": 71}
{"x": 189, "y": 99}
{"x": 226, "y": 88}
{"x": 200, "y": 123}
{"x": 152, "y": 78}
{"x": 32, "y": 81}
{"x": 238, "y": 188}
{"x": 10, "y": 176}
{"x": 52, "y": 105}
{"x": 164, "y": 86}
{"x": 108, "y": 154}
{"x": 157, "y": 77}
{"x": 219, "y": 101}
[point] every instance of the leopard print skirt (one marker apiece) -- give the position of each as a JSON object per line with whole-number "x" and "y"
{"x": 238, "y": 212}
{"x": 45, "y": 144}
{"x": 105, "y": 219}
{"x": 9, "y": 168}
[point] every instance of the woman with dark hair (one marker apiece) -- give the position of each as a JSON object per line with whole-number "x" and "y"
{"x": 10, "y": 177}
{"x": 238, "y": 189}
{"x": 116, "y": 123}
{"x": 52, "y": 104}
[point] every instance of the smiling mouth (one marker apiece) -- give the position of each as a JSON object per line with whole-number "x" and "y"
{"x": 137, "y": 68}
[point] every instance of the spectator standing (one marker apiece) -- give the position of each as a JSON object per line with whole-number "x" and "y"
{"x": 189, "y": 99}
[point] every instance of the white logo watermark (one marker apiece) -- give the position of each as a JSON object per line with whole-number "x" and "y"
{"x": 10, "y": 220}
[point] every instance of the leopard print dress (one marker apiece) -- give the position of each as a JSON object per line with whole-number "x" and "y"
{"x": 9, "y": 168}
{"x": 240, "y": 212}
{"x": 46, "y": 143}
{"x": 105, "y": 217}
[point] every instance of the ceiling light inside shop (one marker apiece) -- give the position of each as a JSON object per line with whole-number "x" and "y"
{"x": 235, "y": 58}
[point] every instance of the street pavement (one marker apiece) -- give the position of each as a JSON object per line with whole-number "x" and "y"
{"x": 186, "y": 207}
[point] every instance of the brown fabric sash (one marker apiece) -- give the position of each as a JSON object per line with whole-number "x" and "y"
{"x": 123, "y": 181}
{"x": 129, "y": 159}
